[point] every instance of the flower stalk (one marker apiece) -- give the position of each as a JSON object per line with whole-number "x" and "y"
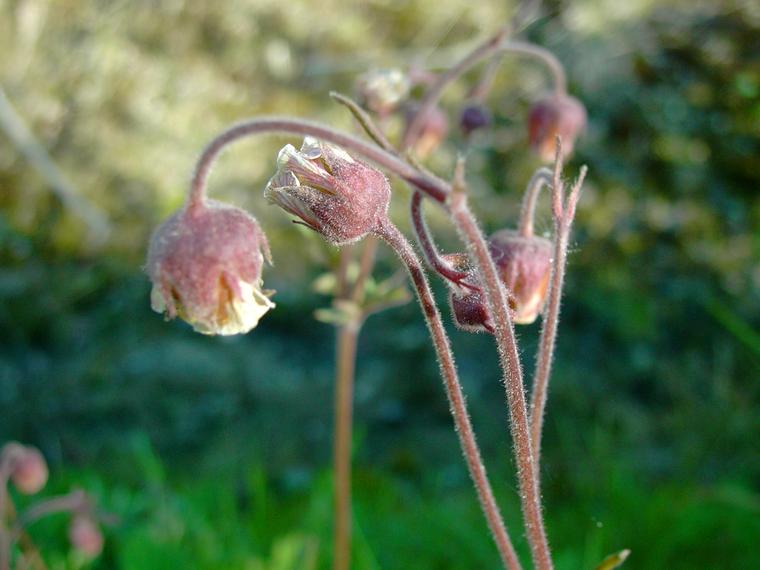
{"x": 401, "y": 246}
{"x": 563, "y": 213}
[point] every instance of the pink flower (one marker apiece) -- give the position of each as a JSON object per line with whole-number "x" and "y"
{"x": 330, "y": 191}
{"x": 205, "y": 264}
{"x": 552, "y": 116}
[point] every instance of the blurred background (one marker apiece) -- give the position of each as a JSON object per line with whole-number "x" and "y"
{"x": 216, "y": 452}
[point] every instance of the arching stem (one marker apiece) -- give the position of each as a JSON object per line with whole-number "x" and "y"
{"x": 432, "y": 256}
{"x": 563, "y": 212}
{"x": 433, "y": 187}
{"x": 396, "y": 240}
{"x": 541, "y": 178}
{"x": 495, "y": 46}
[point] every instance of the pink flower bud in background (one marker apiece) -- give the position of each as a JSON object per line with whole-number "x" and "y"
{"x": 331, "y": 192}
{"x": 85, "y": 535}
{"x": 433, "y": 130}
{"x": 467, "y": 306}
{"x": 25, "y": 466}
{"x": 205, "y": 263}
{"x": 381, "y": 91}
{"x": 474, "y": 117}
{"x": 524, "y": 266}
{"x": 551, "y": 116}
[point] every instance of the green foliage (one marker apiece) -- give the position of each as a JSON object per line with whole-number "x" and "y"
{"x": 213, "y": 452}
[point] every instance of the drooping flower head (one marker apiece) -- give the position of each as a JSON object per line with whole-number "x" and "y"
{"x": 330, "y": 191}
{"x": 433, "y": 128}
{"x": 474, "y": 116}
{"x": 205, "y": 263}
{"x": 25, "y": 466}
{"x": 85, "y": 535}
{"x": 524, "y": 267}
{"x": 523, "y": 264}
{"x": 556, "y": 114}
{"x": 468, "y": 306}
{"x": 382, "y": 90}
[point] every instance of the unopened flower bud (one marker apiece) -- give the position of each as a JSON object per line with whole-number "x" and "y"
{"x": 474, "y": 116}
{"x": 467, "y": 305}
{"x": 205, "y": 263}
{"x": 524, "y": 267}
{"x": 381, "y": 91}
{"x": 85, "y": 535}
{"x": 552, "y": 116}
{"x": 330, "y": 191}
{"x": 523, "y": 264}
{"x": 27, "y": 467}
{"x": 433, "y": 129}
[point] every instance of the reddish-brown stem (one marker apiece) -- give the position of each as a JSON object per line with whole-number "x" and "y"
{"x": 345, "y": 358}
{"x": 496, "y": 300}
{"x": 540, "y": 178}
{"x": 427, "y": 245}
{"x": 72, "y": 502}
{"x": 5, "y": 539}
{"x": 563, "y": 214}
{"x": 433, "y": 187}
{"x": 495, "y": 46}
{"x": 396, "y": 240}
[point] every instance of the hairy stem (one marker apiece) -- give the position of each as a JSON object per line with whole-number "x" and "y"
{"x": 403, "y": 249}
{"x": 540, "y": 178}
{"x": 496, "y": 300}
{"x": 563, "y": 214}
{"x": 427, "y": 245}
{"x": 432, "y": 186}
{"x": 495, "y": 46}
{"x": 5, "y": 539}
{"x": 344, "y": 390}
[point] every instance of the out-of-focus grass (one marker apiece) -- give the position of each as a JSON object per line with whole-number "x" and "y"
{"x": 243, "y": 518}
{"x": 214, "y": 451}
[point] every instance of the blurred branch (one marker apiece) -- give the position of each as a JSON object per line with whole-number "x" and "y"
{"x": 13, "y": 125}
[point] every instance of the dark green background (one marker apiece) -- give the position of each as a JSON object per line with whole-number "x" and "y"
{"x": 215, "y": 452}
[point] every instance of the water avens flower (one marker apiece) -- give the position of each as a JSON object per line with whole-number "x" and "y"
{"x": 85, "y": 535}
{"x": 467, "y": 305}
{"x": 329, "y": 191}
{"x": 381, "y": 91}
{"x": 555, "y": 115}
{"x": 433, "y": 128}
{"x": 523, "y": 264}
{"x": 474, "y": 116}
{"x": 205, "y": 263}
{"x": 26, "y": 466}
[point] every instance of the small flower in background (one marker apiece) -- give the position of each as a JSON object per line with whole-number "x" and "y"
{"x": 331, "y": 192}
{"x": 555, "y": 115}
{"x": 205, "y": 263}
{"x": 85, "y": 535}
{"x": 381, "y": 91}
{"x": 433, "y": 129}
{"x": 474, "y": 116}
{"x": 523, "y": 264}
{"x": 26, "y": 467}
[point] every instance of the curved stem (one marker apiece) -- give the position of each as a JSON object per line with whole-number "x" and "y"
{"x": 425, "y": 240}
{"x": 540, "y": 178}
{"x": 563, "y": 215}
{"x": 433, "y": 187}
{"x": 344, "y": 391}
{"x": 509, "y": 358}
{"x": 396, "y": 240}
{"x": 495, "y": 46}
